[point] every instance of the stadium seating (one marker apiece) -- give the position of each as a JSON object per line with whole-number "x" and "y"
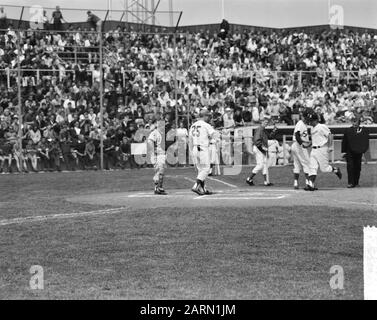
{"x": 256, "y": 74}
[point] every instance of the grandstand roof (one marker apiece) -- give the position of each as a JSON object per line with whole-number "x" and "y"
{"x": 264, "y": 13}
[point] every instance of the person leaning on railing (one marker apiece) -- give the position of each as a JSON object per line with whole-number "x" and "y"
{"x": 94, "y": 21}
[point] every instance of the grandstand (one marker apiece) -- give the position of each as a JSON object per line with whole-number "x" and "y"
{"x": 256, "y": 72}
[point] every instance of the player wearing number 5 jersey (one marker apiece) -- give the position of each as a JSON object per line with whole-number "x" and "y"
{"x": 200, "y": 135}
{"x": 319, "y": 156}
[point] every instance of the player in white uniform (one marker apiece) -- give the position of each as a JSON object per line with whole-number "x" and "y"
{"x": 319, "y": 156}
{"x": 200, "y": 135}
{"x": 299, "y": 149}
{"x": 214, "y": 150}
{"x": 156, "y": 144}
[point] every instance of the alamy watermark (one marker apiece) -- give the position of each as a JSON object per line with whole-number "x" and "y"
{"x": 37, "y": 277}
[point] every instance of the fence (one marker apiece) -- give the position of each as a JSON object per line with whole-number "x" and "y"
{"x": 233, "y": 149}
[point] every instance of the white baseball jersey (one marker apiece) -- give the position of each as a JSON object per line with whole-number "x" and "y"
{"x": 303, "y": 129}
{"x": 201, "y": 133}
{"x": 320, "y": 135}
{"x": 156, "y": 137}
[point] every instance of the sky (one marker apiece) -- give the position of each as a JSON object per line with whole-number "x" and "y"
{"x": 267, "y": 13}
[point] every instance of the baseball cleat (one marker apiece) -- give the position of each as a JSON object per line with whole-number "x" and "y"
{"x": 250, "y": 182}
{"x": 309, "y": 188}
{"x": 338, "y": 173}
{"x": 160, "y": 191}
{"x": 207, "y": 192}
{"x": 269, "y": 184}
{"x": 351, "y": 186}
{"x": 197, "y": 190}
{"x": 296, "y": 187}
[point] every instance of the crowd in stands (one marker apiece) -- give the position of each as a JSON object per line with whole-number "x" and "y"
{"x": 241, "y": 77}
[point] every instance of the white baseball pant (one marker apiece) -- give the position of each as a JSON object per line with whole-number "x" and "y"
{"x": 159, "y": 163}
{"x": 201, "y": 159}
{"x": 301, "y": 158}
{"x": 319, "y": 158}
{"x": 261, "y": 161}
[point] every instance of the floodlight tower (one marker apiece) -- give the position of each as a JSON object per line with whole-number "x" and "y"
{"x": 144, "y": 11}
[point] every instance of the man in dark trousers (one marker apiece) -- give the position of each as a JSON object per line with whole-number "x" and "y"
{"x": 57, "y": 18}
{"x": 355, "y": 143}
{"x": 94, "y": 21}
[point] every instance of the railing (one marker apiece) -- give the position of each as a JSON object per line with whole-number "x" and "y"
{"x": 226, "y": 148}
{"x": 270, "y": 78}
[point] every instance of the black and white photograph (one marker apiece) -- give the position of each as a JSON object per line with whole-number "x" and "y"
{"x": 197, "y": 152}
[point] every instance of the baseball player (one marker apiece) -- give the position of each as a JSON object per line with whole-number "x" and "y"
{"x": 200, "y": 135}
{"x": 319, "y": 156}
{"x": 260, "y": 150}
{"x": 299, "y": 149}
{"x": 157, "y": 144}
{"x": 214, "y": 150}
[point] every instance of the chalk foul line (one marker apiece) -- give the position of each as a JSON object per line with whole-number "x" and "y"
{"x": 6, "y": 222}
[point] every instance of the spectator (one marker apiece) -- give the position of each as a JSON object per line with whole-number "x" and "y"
{"x": 45, "y": 20}
{"x": 238, "y": 71}
{"x": 94, "y": 21}
{"x": 90, "y": 155}
{"x": 57, "y": 20}
{"x": 3, "y": 19}
{"x": 247, "y": 115}
{"x": 34, "y": 134}
{"x": 31, "y": 154}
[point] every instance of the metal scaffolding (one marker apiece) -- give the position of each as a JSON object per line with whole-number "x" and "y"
{"x": 144, "y": 11}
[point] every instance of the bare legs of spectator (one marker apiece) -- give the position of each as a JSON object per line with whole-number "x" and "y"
{"x": 34, "y": 161}
{"x": 20, "y": 162}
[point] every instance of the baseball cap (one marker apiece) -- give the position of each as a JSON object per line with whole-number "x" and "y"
{"x": 204, "y": 112}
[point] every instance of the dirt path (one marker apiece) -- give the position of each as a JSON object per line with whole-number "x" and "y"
{"x": 229, "y": 195}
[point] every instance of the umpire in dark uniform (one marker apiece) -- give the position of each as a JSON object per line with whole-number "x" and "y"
{"x": 355, "y": 143}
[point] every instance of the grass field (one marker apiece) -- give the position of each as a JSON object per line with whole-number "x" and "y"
{"x": 180, "y": 249}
